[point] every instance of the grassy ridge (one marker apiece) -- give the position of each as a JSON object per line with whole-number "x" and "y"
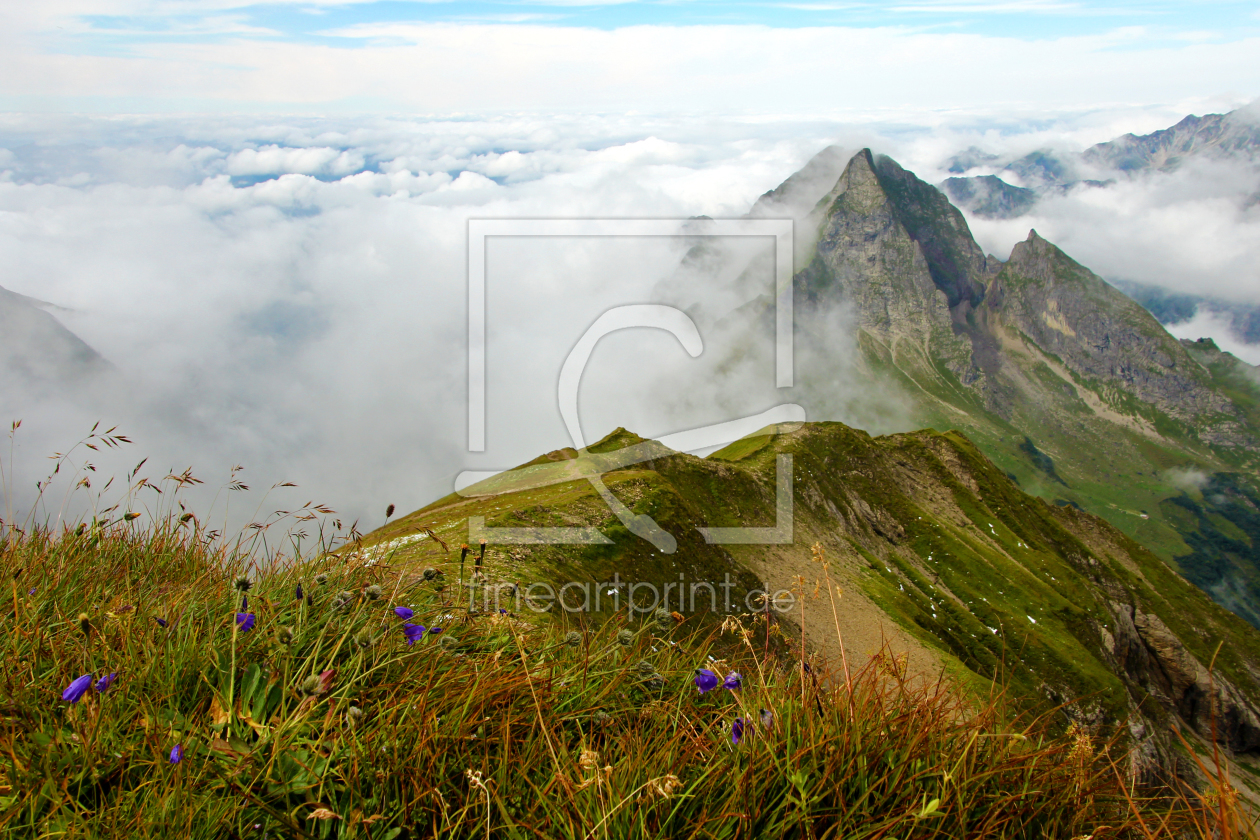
{"x": 321, "y": 720}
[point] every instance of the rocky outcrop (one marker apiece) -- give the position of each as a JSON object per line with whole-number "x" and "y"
{"x": 1152, "y": 655}
{"x": 1100, "y": 333}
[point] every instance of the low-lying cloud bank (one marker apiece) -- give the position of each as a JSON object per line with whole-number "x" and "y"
{"x": 290, "y": 294}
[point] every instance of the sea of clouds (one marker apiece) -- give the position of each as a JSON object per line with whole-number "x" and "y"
{"x": 290, "y": 294}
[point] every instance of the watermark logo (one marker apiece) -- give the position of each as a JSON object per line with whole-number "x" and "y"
{"x": 635, "y": 597}
{"x": 593, "y": 466}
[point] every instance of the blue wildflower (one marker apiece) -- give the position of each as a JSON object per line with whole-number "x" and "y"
{"x": 413, "y": 633}
{"x": 177, "y": 754}
{"x": 77, "y": 689}
{"x": 403, "y": 612}
{"x": 433, "y": 630}
{"x": 706, "y": 680}
{"x": 105, "y": 682}
{"x": 299, "y": 592}
{"x": 244, "y": 603}
{"x": 733, "y": 681}
{"x": 767, "y": 718}
{"x": 245, "y": 621}
{"x": 161, "y": 621}
{"x": 32, "y": 591}
{"x": 737, "y": 730}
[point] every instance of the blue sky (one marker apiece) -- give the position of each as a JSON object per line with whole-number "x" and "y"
{"x": 684, "y": 55}
{"x": 311, "y": 22}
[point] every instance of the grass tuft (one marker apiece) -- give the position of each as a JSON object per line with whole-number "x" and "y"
{"x": 324, "y": 720}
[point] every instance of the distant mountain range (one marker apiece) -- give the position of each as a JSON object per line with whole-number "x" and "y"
{"x": 1235, "y": 136}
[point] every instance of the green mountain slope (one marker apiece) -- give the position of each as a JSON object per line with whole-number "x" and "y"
{"x": 935, "y": 552}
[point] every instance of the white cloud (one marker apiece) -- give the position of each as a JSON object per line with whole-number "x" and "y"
{"x": 312, "y": 328}
{"x": 421, "y": 67}
{"x": 1206, "y": 323}
{"x": 1188, "y": 230}
{"x": 274, "y": 160}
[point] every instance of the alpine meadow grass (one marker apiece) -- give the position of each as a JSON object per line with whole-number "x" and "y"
{"x": 162, "y": 681}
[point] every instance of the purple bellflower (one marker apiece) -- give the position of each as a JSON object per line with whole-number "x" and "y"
{"x": 737, "y": 730}
{"x": 733, "y": 681}
{"x": 177, "y": 754}
{"x": 105, "y": 682}
{"x": 413, "y": 633}
{"x": 404, "y": 613}
{"x": 706, "y": 680}
{"x": 245, "y": 621}
{"x": 77, "y": 689}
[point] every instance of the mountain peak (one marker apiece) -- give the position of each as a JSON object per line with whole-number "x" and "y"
{"x": 1036, "y": 249}
{"x": 876, "y": 192}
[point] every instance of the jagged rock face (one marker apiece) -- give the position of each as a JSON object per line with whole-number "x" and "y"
{"x": 1098, "y": 332}
{"x": 955, "y": 261}
{"x": 868, "y": 258}
{"x": 1156, "y": 659}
